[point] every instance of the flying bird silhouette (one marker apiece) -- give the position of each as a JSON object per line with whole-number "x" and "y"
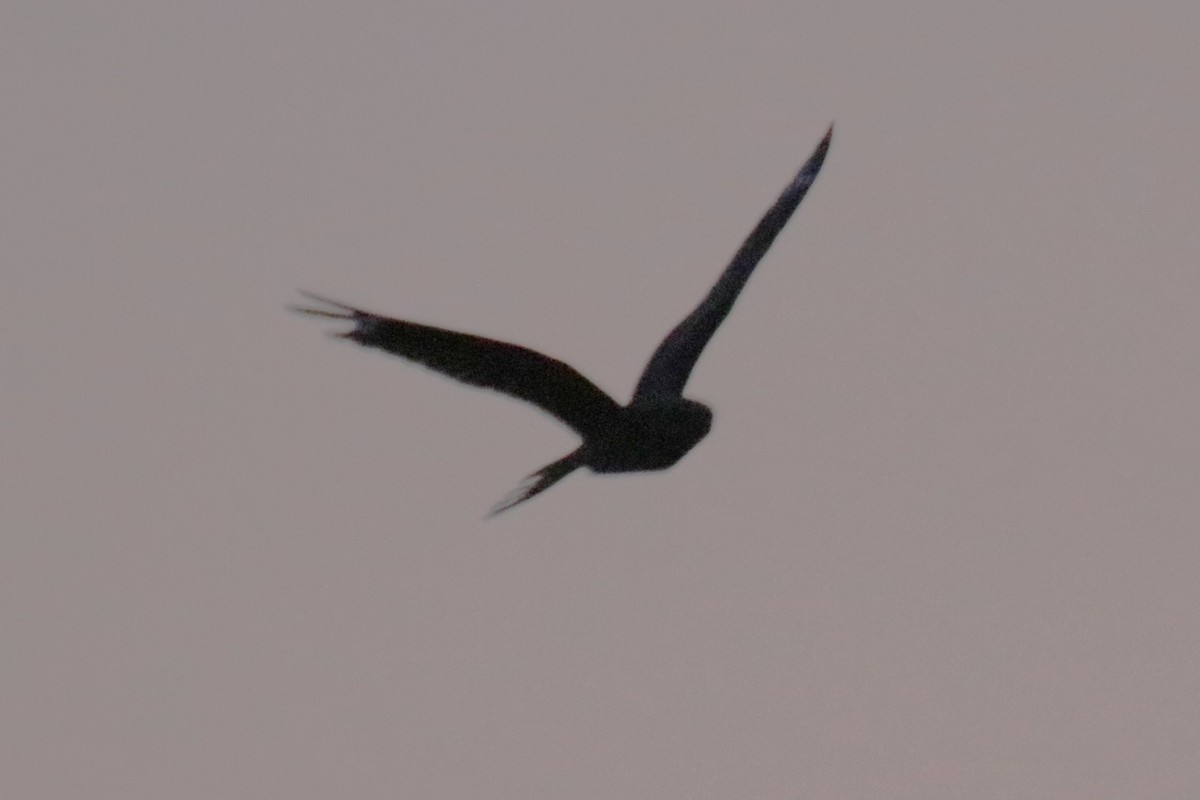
{"x": 658, "y": 426}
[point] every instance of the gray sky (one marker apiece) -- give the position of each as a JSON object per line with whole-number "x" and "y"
{"x": 941, "y": 543}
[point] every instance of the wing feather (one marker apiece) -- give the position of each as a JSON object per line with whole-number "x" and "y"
{"x": 549, "y": 384}
{"x": 672, "y": 363}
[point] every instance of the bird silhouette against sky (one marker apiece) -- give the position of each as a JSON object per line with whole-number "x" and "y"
{"x": 658, "y": 426}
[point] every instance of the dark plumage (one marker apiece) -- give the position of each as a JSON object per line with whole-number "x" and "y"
{"x": 656, "y": 429}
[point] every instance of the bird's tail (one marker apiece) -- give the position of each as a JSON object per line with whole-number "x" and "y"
{"x": 538, "y": 482}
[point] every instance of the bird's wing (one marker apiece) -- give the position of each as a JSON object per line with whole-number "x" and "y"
{"x": 510, "y": 369}
{"x": 672, "y": 362}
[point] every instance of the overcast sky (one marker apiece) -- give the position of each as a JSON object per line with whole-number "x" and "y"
{"x": 943, "y": 541}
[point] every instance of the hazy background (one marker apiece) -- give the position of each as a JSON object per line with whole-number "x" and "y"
{"x": 943, "y": 542}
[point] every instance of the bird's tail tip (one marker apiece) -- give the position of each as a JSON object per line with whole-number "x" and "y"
{"x": 537, "y": 483}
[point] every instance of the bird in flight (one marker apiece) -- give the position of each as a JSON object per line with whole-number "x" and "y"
{"x": 658, "y": 426}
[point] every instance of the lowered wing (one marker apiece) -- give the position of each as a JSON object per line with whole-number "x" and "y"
{"x": 510, "y": 369}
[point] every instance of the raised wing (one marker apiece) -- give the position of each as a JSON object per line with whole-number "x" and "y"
{"x": 672, "y": 363}
{"x": 510, "y": 369}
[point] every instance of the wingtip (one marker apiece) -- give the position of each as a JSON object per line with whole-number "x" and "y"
{"x": 320, "y": 312}
{"x": 809, "y": 171}
{"x": 342, "y": 311}
{"x": 823, "y": 145}
{"x": 316, "y": 298}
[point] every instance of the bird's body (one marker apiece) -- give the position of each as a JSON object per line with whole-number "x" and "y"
{"x": 647, "y": 436}
{"x": 658, "y": 426}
